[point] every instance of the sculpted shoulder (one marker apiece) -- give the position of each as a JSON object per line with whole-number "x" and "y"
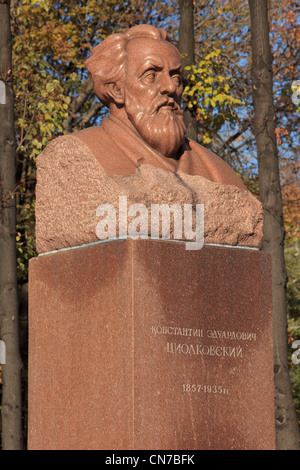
{"x": 93, "y": 142}
{"x": 219, "y": 171}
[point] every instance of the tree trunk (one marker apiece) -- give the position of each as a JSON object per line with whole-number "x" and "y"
{"x": 11, "y": 409}
{"x": 187, "y": 50}
{"x": 287, "y": 431}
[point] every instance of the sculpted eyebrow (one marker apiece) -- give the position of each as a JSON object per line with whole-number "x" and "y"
{"x": 151, "y": 64}
{"x": 177, "y": 69}
{"x": 148, "y": 66}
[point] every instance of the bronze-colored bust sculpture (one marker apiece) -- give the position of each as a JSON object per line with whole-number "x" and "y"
{"x": 140, "y": 150}
{"x": 138, "y": 75}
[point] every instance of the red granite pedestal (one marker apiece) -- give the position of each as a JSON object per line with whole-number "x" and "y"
{"x": 141, "y": 344}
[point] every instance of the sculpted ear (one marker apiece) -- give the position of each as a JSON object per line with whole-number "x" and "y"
{"x": 115, "y": 92}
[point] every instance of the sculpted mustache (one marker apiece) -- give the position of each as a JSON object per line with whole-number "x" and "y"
{"x": 167, "y": 102}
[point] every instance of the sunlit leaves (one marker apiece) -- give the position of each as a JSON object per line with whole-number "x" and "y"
{"x": 209, "y": 94}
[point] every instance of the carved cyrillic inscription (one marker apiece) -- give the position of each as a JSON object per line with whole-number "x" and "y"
{"x": 190, "y": 347}
{"x": 204, "y": 350}
{"x": 200, "y": 333}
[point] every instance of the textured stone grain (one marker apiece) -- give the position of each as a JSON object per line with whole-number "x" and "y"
{"x": 141, "y": 344}
{"x": 71, "y": 184}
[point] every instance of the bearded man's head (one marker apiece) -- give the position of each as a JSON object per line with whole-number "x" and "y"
{"x": 141, "y": 71}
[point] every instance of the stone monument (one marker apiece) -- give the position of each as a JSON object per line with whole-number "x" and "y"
{"x": 140, "y": 336}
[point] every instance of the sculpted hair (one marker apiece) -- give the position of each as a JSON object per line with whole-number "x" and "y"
{"x": 108, "y": 58}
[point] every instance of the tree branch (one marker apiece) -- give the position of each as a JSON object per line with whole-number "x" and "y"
{"x": 90, "y": 114}
{"x": 77, "y": 103}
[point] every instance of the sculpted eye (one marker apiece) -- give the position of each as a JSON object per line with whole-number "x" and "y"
{"x": 149, "y": 76}
{"x": 176, "y": 79}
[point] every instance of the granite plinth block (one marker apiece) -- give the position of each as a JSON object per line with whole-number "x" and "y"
{"x": 141, "y": 344}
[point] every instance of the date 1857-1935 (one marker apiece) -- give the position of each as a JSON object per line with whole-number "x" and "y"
{"x": 193, "y": 388}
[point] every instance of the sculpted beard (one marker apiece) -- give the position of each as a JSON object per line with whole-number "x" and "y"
{"x": 161, "y": 126}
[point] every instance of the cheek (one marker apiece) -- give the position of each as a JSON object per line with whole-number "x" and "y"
{"x": 140, "y": 91}
{"x": 147, "y": 95}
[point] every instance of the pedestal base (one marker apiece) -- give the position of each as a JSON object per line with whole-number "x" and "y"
{"x": 141, "y": 344}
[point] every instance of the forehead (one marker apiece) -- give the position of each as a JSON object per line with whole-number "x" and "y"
{"x": 144, "y": 51}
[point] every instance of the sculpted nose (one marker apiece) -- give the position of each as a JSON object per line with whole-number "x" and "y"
{"x": 167, "y": 85}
